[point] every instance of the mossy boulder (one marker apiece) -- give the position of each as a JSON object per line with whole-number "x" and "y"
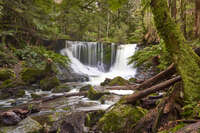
{"x": 121, "y": 118}
{"x": 27, "y": 125}
{"x": 6, "y": 74}
{"x": 32, "y": 75}
{"x": 35, "y": 96}
{"x": 49, "y": 83}
{"x": 118, "y": 81}
{"x": 85, "y": 88}
{"x": 61, "y": 88}
{"x": 93, "y": 94}
{"x": 105, "y": 82}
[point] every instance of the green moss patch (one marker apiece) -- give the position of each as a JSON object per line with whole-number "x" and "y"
{"x": 49, "y": 82}
{"x": 6, "y": 74}
{"x": 118, "y": 81}
{"x": 93, "y": 94}
{"x": 61, "y": 88}
{"x": 121, "y": 116}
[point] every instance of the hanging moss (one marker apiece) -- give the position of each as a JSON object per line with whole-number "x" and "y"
{"x": 121, "y": 116}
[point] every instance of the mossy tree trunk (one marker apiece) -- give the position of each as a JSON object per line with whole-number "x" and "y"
{"x": 186, "y": 61}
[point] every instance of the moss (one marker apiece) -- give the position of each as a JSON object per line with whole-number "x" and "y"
{"x": 61, "y": 88}
{"x": 35, "y": 96}
{"x": 85, "y": 88}
{"x": 93, "y": 94}
{"x": 118, "y": 81}
{"x": 20, "y": 93}
{"x": 10, "y": 84}
{"x": 132, "y": 80}
{"x": 49, "y": 82}
{"x": 174, "y": 129}
{"x": 31, "y": 75}
{"x": 93, "y": 117}
{"x": 119, "y": 117}
{"x": 6, "y": 74}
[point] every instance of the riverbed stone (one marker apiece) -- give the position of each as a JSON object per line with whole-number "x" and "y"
{"x": 27, "y": 125}
{"x": 61, "y": 88}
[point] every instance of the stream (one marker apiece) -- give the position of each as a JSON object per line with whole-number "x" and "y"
{"x": 98, "y": 62}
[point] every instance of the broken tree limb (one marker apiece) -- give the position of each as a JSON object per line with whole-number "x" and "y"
{"x": 141, "y": 94}
{"x": 157, "y": 78}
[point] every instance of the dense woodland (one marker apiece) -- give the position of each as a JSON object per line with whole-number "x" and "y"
{"x": 167, "y": 33}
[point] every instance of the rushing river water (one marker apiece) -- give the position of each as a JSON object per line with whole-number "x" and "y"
{"x": 92, "y": 59}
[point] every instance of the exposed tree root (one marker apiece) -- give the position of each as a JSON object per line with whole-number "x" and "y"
{"x": 166, "y": 111}
{"x": 191, "y": 128}
{"x": 141, "y": 94}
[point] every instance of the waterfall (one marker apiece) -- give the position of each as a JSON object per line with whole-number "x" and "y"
{"x": 100, "y": 61}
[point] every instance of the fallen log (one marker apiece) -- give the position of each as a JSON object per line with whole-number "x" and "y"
{"x": 128, "y": 87}
{"x": 141, "y": 94}
{"x": 157, "y": 78}
{"x": 191, "y": 128}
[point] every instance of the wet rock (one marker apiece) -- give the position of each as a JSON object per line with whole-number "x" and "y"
{"x": 27, "y": 125}
{"x": 93, "y": 94}
{"x": 85, "y": 88}
{"x": 9, "y": 118}
{"x": 49, "y": 82}
{"x": 106, "y": 82}
{"x": 6, "y": 74}
{"x": 67, "y": 74}
{"x": 62, "y": 88}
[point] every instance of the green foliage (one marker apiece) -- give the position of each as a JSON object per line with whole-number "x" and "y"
{"x": 191, "y": 110}
{"x": 49, "y": 82}
{"x": 6, "y": 74}
{"x": 145, "y": 56}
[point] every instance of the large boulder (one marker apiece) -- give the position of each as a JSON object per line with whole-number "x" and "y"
{"x": 93, "y": 94}
{"x": 27, "y": 125}
{"x": 67, "y": 74}
{"x": 117, "y": 81}
{"x": 61, "y": 88}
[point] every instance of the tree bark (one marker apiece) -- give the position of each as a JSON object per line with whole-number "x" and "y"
{"x": 183, "y": 17}
{"x": 141, "y": 94}
{"x": 173, "y": 9}
{"x": 186, "y": 61}
{"x": 197, "y": 18}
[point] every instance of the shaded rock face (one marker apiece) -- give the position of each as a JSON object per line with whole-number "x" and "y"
{"x": 68, "y": 75}
{"x": 73, "y": 123}
{"x": 9, "y": 118}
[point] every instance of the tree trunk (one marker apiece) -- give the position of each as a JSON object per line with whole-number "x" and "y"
{"x": 186, "y": 61}
{"x": 173, "y": 9}
{"x": 183, "y": 17}
{"x": 141, "y": 94}
{"x": 197, "y": 18}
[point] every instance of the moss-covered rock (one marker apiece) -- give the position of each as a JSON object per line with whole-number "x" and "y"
{"x": 118, "y": 81}
{"x": 27, "y": 125}
{"x": 32, "y": 75}
{"x": 35, "y": 96}
{"x": 93, "y": 94}
{"x": 85, "y": 88}
{"x": 105, "y": 82}
{"x": 93, "y": 117}
{"x": 49, "y": 82}
{"x": 61, "y": 88}
{"x": 121, "y": 118}
{"x": 6, "y": 74}
{"x": 12, "y": 92}
{"x": 132, "y": 80}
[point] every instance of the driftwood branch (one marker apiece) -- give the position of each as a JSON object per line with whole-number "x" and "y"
{"x": 141, "y": 94}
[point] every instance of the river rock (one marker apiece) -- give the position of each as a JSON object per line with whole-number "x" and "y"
{"x": 72, "y": 123}
{"x": 27, "y": 125}
{"x": 9, "y": 118}
{"x": 67, "y": 74}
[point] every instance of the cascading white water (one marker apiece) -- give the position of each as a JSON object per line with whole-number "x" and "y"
{"x": 119, "y": 66}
